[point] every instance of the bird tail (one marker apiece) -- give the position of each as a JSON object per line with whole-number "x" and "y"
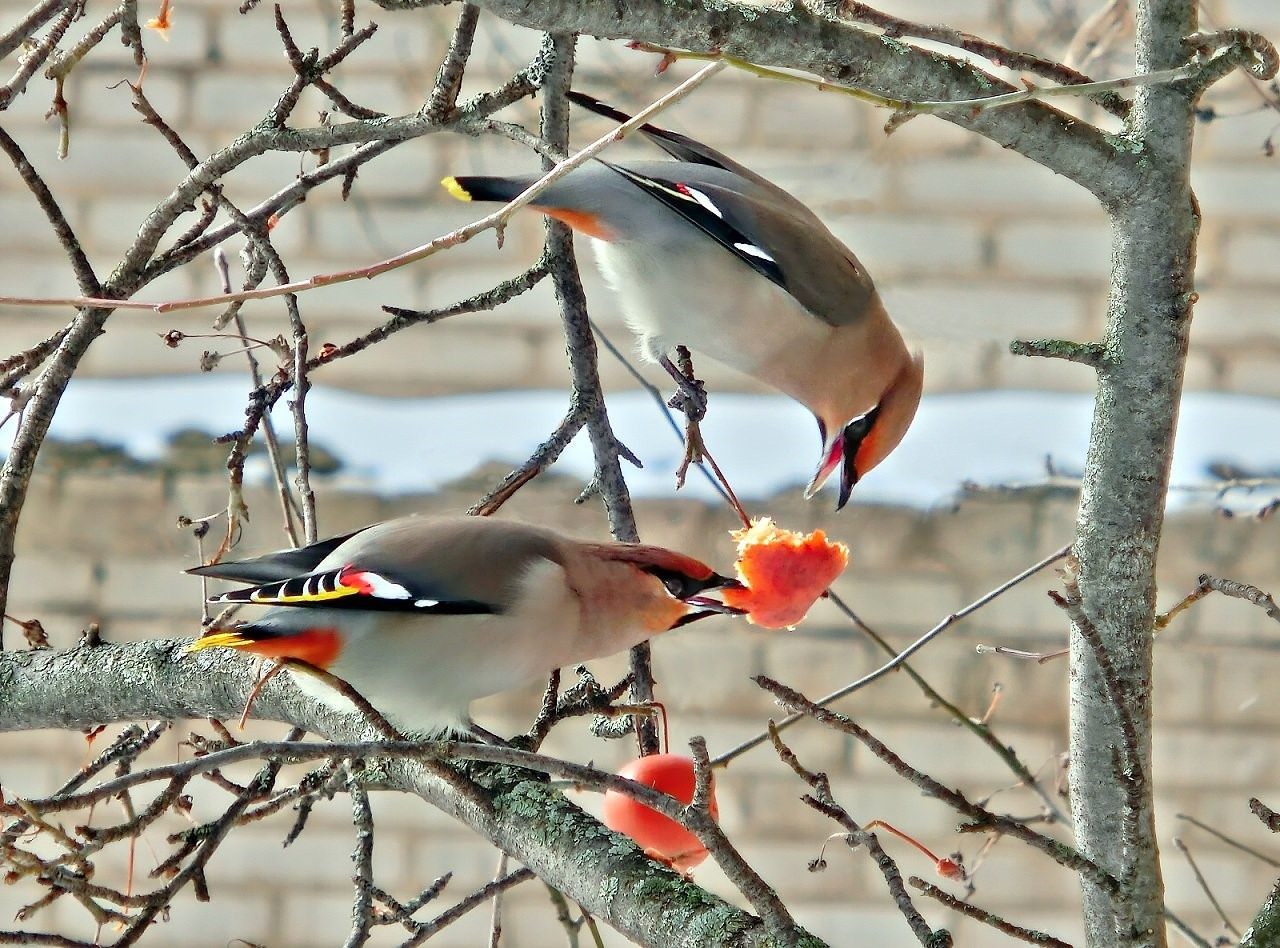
{"x": 282, "y": 564}
{"x": 485, "y": 188}
{"x": 317, "y": 645}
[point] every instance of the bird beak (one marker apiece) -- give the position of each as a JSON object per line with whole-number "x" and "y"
{"x": 843, "y": 449}
{"x": 832, "y": 455}
{"x": 709, "y": 605}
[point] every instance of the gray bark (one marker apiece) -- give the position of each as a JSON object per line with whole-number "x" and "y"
{"x": 514, "y": 809}
{"x": 799, "y": 38}
{"x": 1125, "y": 482}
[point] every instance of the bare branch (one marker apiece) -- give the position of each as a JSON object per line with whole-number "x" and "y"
{"x": 981, "y": 819}
{"x": 987, "y": 918}
{"x": 157, "y": 680}
{"x": 1091, "y": 354}
{"x": 1204, "y": 886}
{"x": 901, "y": 657}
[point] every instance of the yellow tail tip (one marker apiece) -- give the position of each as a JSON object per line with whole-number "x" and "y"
{"x": 452, "y": 185}
{"x": 218, "y": 640}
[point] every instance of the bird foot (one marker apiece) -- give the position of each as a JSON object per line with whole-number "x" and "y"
{"x": 691, "y": 399}
{"x": 695, "y": 451}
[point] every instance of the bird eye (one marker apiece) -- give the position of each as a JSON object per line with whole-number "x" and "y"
{"x": 675, "y": 585}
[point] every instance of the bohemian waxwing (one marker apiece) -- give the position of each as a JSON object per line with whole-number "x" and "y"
{"x": 704, "y": 252}
{"x": 422, "y": 615}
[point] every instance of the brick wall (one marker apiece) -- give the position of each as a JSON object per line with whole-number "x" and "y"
{"x": 1216, "y": 666}
{"x": 971, "y": 246}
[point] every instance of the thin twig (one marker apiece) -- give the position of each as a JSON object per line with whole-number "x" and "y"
{"x": 901, "y": 657}
{"x": 986, "y": 917}
{"x": 1228, "y": 587}
{"x": 1204, "y": 886}
{"x": 362, "y": 856}
{"x": 496, "y": 220}
{"x": 824, "y": 802}
{"x": 992, "y": 52}
{"x": 426, "y": 929}
{"x": 1236, "y": 844}
{"x": 495, "y": 920}
{"x": 908, "y": 107}
{"x": 981, "y": 819}
{"x": 444, "y": 96}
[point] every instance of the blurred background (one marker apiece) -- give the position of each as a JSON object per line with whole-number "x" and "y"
{"x": 971, "y": 247}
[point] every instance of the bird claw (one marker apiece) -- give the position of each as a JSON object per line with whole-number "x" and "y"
{"x": 690, "y": 400}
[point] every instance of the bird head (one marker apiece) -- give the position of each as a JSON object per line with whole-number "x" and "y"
{"x": 857, "y": 444}
{"x": 689, "y": 588}
{"x": 679, "y": 579}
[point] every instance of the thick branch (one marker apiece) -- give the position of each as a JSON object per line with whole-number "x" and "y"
{"x": 519, "y": 814}
{"x": 794, "y": 37}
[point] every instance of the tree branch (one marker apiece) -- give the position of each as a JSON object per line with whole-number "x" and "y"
{"x": 158, "y": 680}
{"x": 793, "y": 37}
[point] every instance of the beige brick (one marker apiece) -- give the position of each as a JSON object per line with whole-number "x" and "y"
{"x": 122, "y": 509}
{"x": 1180, "y": 755}
{"x": 100, "y": 99}
{"x": 900, "y": 600}
{"x": 817, "y": 747}
{"x": 989, "y": 182}
{"x": 843, "y": 923}
{"x": 187, "y": 44}
{"x": 229, "y": 917}
{"x": 321, "y": 856}
{"x": 724, "y": 115}
{"x": 709, "y": 670}
{"x": 32, "y": 774}
{"x": 44, "y": 580}
{"x": 913, "y": 245}
{"x": 101, "y": 160}
{"x": 251, "y": 39}
{"x": 801, "y": 117}
{"x": 961, "y": 14}
{"x": 1247, "y": 190}
{"x": 1023, "y": 614}
{"x": 924, "y": 135}
{"x": 1222, "y": 619}
{"x": 145, "y": 586}
{"x": 26, "y": 228}
{"x": 1252, "y": 253}
{"x": 1242, "y": 128}
{"x": 1187, "y": 687}
{"x": 23, "y": 275}
{"x": 1229, "y": 316}
{"x": 956, "y": 763}
{"x": 1254, "y": 14}
{"x": 1056, "y": 249}
{"x": 982, "y": 310}
{"x": 437, "y": 359}
{"x": 1249, "y": 371}
{"x": 1239, "y": 883}
{"x": 500, "y": 49}
{"x": 1019, "y": 373}
{"x": 315, "y": 916}
{"x": 372, "y": 229}
{"x": 854, "y": 179}
{"x": 1242, "y": 688}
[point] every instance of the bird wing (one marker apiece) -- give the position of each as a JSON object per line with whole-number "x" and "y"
{"x": 680, "y": 147}
{"x": 350, "y": 587}
{"x": 282, "y": 564}
{"x": 769, "y": 231}
{"x": 443, "y": 565}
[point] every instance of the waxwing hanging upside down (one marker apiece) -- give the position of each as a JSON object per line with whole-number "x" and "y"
{"x": 423, "y": 615}
{"x": 705, "y": 253}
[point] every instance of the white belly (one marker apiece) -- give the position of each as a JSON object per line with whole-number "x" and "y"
{"x": 423, "y": 672}
{"x": 692, "y": 294}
